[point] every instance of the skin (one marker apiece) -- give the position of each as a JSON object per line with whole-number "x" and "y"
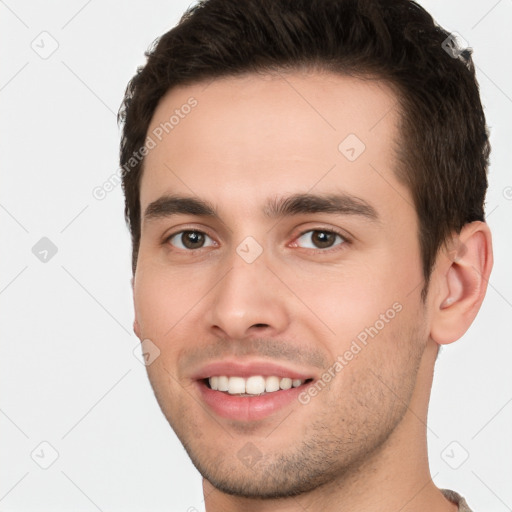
{"x": 360, "y": 444}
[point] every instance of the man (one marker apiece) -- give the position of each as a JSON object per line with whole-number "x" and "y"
{"x": 304, "y": 187}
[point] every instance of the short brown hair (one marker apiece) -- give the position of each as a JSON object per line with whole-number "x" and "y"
{"x": 444, "y": 148}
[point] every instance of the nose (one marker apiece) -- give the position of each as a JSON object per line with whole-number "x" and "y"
{"x": 248, "y": 300}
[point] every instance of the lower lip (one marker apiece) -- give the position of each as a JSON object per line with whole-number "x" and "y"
{"x": 249, "y": 408}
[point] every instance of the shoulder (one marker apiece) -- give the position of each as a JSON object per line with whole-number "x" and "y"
{"x": 457, "y": 499}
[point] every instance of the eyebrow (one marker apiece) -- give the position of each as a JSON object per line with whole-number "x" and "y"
{"x": 275, "y": 208}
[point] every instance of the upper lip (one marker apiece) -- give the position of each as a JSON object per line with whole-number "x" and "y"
{"x": 249, "y": 368}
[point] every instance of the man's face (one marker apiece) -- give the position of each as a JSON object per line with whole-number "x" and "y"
{"x": 328, "y": 296}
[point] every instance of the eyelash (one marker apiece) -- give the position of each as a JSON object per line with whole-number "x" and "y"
{"x": 339, "y": 246}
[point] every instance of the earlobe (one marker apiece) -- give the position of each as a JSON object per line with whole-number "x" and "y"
{"x": 462, "y": 275}
{"x": 136, "y": 328}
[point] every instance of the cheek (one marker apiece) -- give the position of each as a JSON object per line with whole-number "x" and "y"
{"x": 348, "y": 299}
{"x": 366, "y": 303}
{"x": 160, "y": 301}
{"x": 161, "y": 305}
{"x": 379, "y": 361}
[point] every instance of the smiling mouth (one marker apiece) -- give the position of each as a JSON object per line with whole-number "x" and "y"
{"x": 255, "y": 385}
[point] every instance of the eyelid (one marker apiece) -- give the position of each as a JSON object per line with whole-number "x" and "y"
{"x": 339, "y": 247}
{"x": 176, "y": 231}
{"x": 347, "y": 239}
{"x": 342, "y": 233}
{"x": 179, "y": 234}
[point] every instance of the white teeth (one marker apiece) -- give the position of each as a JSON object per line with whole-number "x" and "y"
{"x": 222, "y": 383}
{"x": 285, "y": 383}
{"x": 271, "y": 384}
{"x": 236, "y": 385}
{"x": 254, "y": 385}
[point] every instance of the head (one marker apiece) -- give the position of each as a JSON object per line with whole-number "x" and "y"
{"x": 347, "y": 118}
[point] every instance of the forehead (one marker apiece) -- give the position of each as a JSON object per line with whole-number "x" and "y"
{"x": 234, "y": 140}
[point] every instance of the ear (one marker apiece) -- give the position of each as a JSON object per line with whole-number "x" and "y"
{"x": 462, "y": 273}
{"x": 136, "y": 328}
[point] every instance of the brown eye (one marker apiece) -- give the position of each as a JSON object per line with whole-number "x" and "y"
{"x": 320, "y": 239}
{"x": 190, "y": 240}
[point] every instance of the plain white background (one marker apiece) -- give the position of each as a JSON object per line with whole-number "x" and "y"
{"x": 69, "y": 377}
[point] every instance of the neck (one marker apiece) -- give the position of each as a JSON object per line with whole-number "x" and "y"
{"x": 396, "y": 477}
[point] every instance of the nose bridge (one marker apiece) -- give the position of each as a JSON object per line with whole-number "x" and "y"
{"x": 245, "y": 297}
